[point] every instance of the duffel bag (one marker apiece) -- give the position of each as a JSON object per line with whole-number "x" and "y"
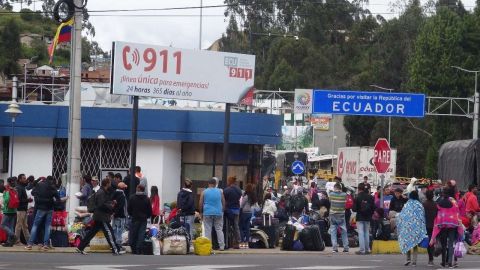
{"x": 175, "y": 245}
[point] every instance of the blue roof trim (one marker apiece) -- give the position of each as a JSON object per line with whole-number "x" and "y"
{"x": 154, "y": 124}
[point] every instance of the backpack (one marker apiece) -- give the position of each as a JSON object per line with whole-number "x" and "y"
{"x": 14, "y": 201}
{"x": 349, "y": 202}
{"x": 297, "y": 203}
{"x": 384, "y": 230}
{"x": 91, "y": 203}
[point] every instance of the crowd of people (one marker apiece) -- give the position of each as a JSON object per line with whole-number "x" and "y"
{"x": 412, "y": 215}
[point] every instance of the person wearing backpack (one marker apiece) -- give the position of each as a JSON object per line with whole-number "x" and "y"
{"x": 363, "y": 205}
{"x": 44, "y": 193}
{"x": 102, "y": 204}
{"x": 10, "y": 205}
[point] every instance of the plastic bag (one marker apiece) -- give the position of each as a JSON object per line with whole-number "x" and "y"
{"x": 460, "y": 250}
{"x": 425, "y": 242}
{"x": 156, "y": 246}
{"x": 202, "y": 246}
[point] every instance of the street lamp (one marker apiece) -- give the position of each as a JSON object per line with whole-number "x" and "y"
{"x": 13, "y": 111}
{"x": 389, "y": 118}
{"x": 101, "y": 137}
{"x": 475, "y": 100}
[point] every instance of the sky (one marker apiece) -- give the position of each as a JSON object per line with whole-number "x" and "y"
{"x": 178, "y": 31}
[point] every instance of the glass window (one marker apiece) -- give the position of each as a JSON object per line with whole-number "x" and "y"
{"x": 197, "y": 172}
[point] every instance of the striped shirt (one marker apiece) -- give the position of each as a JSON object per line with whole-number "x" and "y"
{"x": 337, "y": 201}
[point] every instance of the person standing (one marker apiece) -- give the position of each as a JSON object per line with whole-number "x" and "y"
{"x": 8, "y": 219}
{"x": 86, "y": 189}
{"x": 430, "y": 213}
{"x": 44, "y": 193}
{"x": 212, "y": 203}
{"x": 447, "y": 225}
{"x": 139, "y": 208}
{"x": 411, "y": 227}
{"x": 142, "y": 178}
{"x": 232, "y": 198}
{"x": 119, "y": 212}
{"x": 155, "y": 201}
{"x": 104, "y": 206}
{"x": 95, "y": 184}
{"x": 368, "y": 187}
{"x": 337, "y": 217}
{"x": 22, "y": 218}
{"x": 248, "y": 201}
{"x": 186, "y": 205}
{"x": 364, "y": 206}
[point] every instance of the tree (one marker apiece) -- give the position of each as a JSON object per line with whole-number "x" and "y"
{"x": 10, "y": 48}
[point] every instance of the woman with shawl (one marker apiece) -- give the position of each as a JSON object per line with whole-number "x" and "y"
{"x": 447, "y": 225}
{"x": 411, "y": 227}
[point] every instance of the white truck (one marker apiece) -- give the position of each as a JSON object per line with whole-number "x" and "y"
{"x": 356, "y": 162}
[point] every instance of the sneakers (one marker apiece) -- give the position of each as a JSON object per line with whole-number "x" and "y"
{"x": 28, "y": 247}
{"x": 122, "y": 251}
{"x": 430, "y": 263}
{"x": 345, "y": 251}
{"x": 359, "y": 253}
{"x": 83, "y": 252}
{"x": 334, "y": 251}
{"x": 407, "y": 263}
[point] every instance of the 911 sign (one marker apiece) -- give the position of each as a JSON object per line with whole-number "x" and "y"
{"x": 173, "y": 73}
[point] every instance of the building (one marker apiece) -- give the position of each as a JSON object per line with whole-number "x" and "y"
{"x": 173, "y": 143}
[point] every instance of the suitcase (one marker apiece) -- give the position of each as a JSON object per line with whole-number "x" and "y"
{"x": 146, "y": 248}
{"x": 311, "y": 239}
{"x": 59, "y": 238}
{"x": 288, "y": 237}
{"x": 271, "y": 233}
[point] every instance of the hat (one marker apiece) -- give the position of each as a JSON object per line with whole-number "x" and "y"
{"x": 398, "y": 190}
{"x": 95, "y": 178}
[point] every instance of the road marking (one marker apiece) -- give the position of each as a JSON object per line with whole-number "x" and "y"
{"x": 97, "y": 267}
{"x": 331, "y": 267}
{"x": 205, "y": 267}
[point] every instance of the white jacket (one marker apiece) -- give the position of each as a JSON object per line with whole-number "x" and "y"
{"x": 269, "y": 207}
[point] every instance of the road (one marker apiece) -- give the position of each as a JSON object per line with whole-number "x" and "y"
{"x": 215, "y": 262}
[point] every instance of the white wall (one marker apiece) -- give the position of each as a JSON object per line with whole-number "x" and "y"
{"x": 32, "y": 156}
{"x": 161, "y": 164}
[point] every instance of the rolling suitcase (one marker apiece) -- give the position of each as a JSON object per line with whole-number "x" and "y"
{"x": 59, "y": 238}
{"x": 288, "y": 237}
{"x": 311, "y": 239}
{"x": 271, "y": 233}
{"x": 147, "y": 248}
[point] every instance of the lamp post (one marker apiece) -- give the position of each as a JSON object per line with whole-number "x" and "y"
{"x": 475, "y": 100}
{"x": 389, "y": 118}
{"x": 101, "y": 137}
{"x": 13, "y": 110}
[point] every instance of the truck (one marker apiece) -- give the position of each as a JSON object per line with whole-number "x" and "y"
{"x": 356, "y": 162}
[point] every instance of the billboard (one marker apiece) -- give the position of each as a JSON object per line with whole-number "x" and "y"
{"x": 172, "y": 73}
{"x": 360, "y": 103}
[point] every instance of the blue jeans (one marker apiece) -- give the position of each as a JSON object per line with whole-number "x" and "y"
{"x": 39, "y": 217}
{"x": 363, "y": 228}
{"x": 8, "y": 222}
{"x": 190, "y": 220}
{"x": 245, "y": 227}
{"x": 118, "y": 229}
{"x": 338, "y": 221}
{"x": 136, "y": 235}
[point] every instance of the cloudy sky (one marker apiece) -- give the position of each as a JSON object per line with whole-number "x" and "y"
{"x": 179, "y": 28}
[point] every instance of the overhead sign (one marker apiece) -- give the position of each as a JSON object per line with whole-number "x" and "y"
{"x": 382, "y": 155}
{"x": 298, "y": 167}
{"x": 172, "y": 73}
{"x": 360, "y": 103}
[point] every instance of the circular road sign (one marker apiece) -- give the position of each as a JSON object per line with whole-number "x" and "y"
{"x": 382, "y": 155}
{"x": 298, "y": 167}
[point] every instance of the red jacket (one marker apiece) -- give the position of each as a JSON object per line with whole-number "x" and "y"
{"x": 156, "y": 206}
{"x": 471, "y": 202}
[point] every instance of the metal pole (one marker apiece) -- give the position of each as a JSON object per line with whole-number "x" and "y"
{"x": 295, "y": 127}
{"x": 100, "y": 165}
{"x": 382, "y": 184}
{"x": 475, "y": 109}
{"x": 333, "y": 141}
{"x": 201, "y": 21}
{"x": 74, "y": 136}
{"x": 13, "y": 142}
{"x": 25, "y": 80}
{"x": 133, "y": 146}
{"x": 226, "y": 144}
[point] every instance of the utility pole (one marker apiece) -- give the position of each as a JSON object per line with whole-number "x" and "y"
{"x": 74, "y": 127}
{"x": 389, "y": 118}
{"x": 475, "y": 101}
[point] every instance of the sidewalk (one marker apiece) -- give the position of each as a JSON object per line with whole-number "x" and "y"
{"x": 272, "y": 251}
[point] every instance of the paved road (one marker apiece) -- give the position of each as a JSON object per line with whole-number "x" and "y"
{"x": 215, "y": 262}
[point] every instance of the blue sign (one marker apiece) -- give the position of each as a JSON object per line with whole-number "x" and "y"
{"x": 298, "y": 167}
{"x": 368, "y": 103}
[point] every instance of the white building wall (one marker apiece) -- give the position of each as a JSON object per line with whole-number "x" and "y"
{"x": 32, "y": 156}
{"x": 161, "y": 164}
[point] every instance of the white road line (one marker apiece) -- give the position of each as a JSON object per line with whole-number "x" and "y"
{"x": 97, "y": 267}
{"x": 205, "y": 267}
{"x": 331, "y": 267}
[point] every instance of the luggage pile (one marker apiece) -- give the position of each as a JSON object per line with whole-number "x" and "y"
{"x": 174, "y": 241}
